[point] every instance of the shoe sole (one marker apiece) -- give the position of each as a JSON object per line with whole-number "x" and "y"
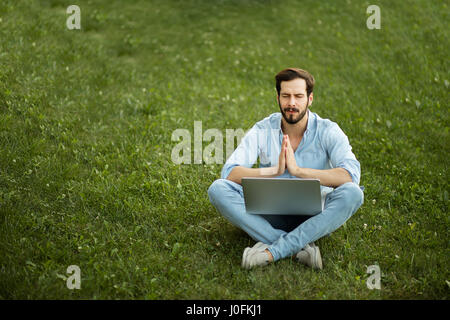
{"x": 317, "y": 259}
{"x": 244, "y": 256}
{"x": 260, "y": 245}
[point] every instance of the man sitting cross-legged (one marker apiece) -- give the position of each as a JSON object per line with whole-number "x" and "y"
{"x": 293, "y": 143}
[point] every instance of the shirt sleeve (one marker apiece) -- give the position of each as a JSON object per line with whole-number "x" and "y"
{"x": 245, "y": 154}
{"x": 340, "y": 152}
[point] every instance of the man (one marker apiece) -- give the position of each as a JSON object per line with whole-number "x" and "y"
{"x": 293, "y": 143}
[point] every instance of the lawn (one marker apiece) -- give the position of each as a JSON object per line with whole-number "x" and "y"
{"x": 86, "y": 123}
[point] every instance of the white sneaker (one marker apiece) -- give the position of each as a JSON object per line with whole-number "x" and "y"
{"x": 310, "y": 256}
{"x": 256, "y": 256}
{"x": 260, "y": 245}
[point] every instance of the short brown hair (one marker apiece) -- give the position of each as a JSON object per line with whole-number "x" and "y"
{"x": 294, "y": 73}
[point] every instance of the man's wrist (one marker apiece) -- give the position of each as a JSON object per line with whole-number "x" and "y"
{"x": 298, "y": 172}
{"x": 269, "y": 171}
{"x": 276, "y": 171}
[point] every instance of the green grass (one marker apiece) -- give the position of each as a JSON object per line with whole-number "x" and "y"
{"x": 86, "y": 118}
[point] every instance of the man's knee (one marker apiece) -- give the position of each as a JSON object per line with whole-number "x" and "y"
{"x": 216, "y": 189}
{"x": 352, "y": 194}
{"x": 350, "y": 197}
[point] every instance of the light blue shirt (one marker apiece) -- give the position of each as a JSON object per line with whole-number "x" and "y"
{"x": 323, "y": 146}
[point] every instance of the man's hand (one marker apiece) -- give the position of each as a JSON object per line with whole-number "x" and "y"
{"x": 291, "y": 164}
{"x": 286, "y": 159}
{"x": 282, "y": 157}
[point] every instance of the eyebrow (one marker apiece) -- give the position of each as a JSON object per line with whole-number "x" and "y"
{"x": 295, "y": 94}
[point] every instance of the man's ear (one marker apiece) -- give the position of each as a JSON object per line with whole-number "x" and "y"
{"x": 311, "y": 98}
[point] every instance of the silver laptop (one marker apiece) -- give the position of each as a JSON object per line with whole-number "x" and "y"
{"x": 282, "y": 196}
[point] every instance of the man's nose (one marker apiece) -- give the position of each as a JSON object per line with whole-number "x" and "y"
{"x": 292, "y": 101}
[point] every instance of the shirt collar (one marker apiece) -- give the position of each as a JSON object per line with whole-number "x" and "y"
{"x": 309, "y": 125}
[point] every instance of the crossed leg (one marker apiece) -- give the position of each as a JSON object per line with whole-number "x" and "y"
{"x": 228, "y": 198}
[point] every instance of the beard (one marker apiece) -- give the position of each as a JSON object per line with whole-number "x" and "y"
{"x": 292, "y": 118}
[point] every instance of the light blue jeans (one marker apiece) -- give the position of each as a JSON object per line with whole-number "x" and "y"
{"x": 286, "y": 235}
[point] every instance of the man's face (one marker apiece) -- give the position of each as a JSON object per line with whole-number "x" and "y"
{"x": 293, "y": 100}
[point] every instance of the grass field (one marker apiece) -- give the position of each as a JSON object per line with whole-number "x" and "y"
{"x": 86, "y": 119}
